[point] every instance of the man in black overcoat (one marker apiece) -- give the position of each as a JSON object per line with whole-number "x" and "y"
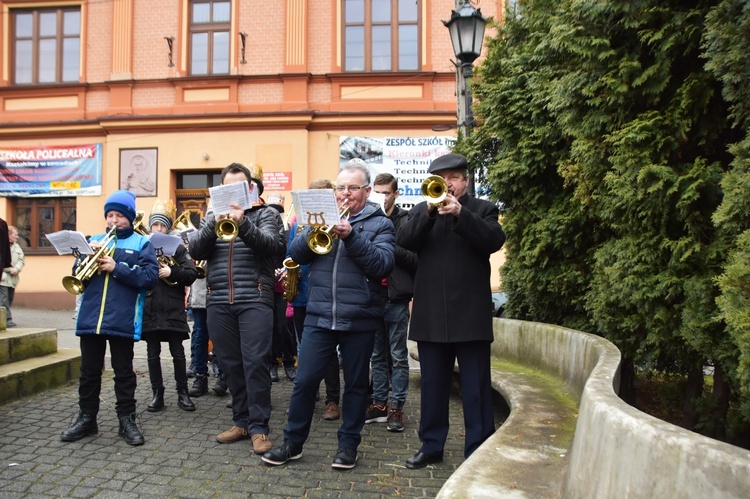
{"x": 452, "y": 308}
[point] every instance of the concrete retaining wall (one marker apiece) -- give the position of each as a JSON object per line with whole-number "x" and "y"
{"x": 617, "y": 450}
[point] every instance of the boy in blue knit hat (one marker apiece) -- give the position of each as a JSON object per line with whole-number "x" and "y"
{"x": 111, "y": 311}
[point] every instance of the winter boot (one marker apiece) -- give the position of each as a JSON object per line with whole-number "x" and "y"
{"x": 157, "y": 404}
{"x": 183, "y": 400}
{"x": 129, "y": 429}
{"x": 83, "y": 426}
{"x": 200, "y": 385}
{"x": 221, "y": 387}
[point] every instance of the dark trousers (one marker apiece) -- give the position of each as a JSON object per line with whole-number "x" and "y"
{"x": 436, "y": 361}
{"x": 283, "y": 346}
{"x": 332, "y": 376}
{"x": 153, "y": 355}
{"x": 315, "y": 352}
{"x": 242, "y": 335}
{"x": 93, "y": 348}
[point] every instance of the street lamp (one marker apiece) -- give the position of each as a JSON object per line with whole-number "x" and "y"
{"x": 466, "y": 27}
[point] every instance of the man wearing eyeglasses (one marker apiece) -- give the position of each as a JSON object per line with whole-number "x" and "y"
{"x": 452, "y": 308}
{"x": 345, "y": 308}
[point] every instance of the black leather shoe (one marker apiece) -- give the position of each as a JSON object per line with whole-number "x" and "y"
{"x": 288, "y": 451}
{"x": 421, "y": 459}
{"x": 129, "y": 430}
{"x": 274, "y": 372}
{"x": 84, "y": 426}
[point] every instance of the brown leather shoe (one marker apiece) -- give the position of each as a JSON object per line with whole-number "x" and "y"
{"x": 261, "y": 444}
{"x": 233, "y": 434}
{"x": 332, "y": 412}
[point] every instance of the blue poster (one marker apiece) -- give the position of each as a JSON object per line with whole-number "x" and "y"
{"x": 51, "y": 171}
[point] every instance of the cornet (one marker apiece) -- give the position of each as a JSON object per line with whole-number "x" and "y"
{"x": 89, "y": 265}
{"x": 320, "y": 239}
{"x": 434, "y": 190}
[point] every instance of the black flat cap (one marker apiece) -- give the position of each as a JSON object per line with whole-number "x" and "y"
{"x": 448, "y": 162}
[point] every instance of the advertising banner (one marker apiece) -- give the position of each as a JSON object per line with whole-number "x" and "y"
{"x": 51, "y": 171}
{"x": 406, "y": 158}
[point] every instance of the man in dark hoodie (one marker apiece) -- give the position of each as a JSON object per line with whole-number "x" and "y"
{"x": 391, "y": 341}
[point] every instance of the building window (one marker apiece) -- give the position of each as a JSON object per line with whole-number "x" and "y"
{"x": 198, "y": 180}
{"x": 35, "y": 217}
{"x": 381, "y": 35}
{"x": 209, "y": 37}
{"x": 46, "y": 45}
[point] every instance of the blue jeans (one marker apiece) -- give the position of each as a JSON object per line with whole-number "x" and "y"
{"x": 199, "y": 342}
{"x": 315, "y": 351}
{"x": 391, "y": 341}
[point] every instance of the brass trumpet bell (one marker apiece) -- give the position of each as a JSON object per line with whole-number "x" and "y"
{"x": 320, "y": 239}
{"x": 434, "y": 189}
{"x": 227, "y": 229}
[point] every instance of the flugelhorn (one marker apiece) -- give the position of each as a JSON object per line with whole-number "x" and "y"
{"x": 291, "y": 280}
{"x": 320, "y": 239}
{"x": 89, "y": 265}
{"x": 434, "y": 189}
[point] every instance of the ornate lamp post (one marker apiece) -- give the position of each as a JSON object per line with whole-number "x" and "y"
{"x": 466, "y": 27}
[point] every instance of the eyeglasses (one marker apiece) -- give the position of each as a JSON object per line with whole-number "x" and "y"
{"x": 350, "y": 188}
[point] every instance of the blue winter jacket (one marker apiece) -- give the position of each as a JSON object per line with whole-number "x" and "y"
{"x": 345, "y": 285}
{"x": 113, "y": 302}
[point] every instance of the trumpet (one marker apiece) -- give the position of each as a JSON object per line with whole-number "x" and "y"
{"x": 183, "y": 223}
{"x": 89, "y": 265}
{"x": 434, "y": 189}
{"x": 227, "y": 229}
{"x": 291, "y": 280}
{"x": 320, "y": 239}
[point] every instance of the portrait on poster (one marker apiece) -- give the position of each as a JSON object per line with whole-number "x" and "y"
{"x": 138, "y": 171}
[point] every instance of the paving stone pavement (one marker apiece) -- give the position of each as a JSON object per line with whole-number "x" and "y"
{"x": 181, "y": 457}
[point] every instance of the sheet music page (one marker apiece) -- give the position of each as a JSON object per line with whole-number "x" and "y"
{"x": 316, "y": 207}
{"x": 222, "y": 196}
{"x": 65, "y": 241}
{"x": 167, "y": 243}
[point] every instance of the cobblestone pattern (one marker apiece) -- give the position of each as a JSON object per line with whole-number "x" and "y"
{"x": 181, "y": 457}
